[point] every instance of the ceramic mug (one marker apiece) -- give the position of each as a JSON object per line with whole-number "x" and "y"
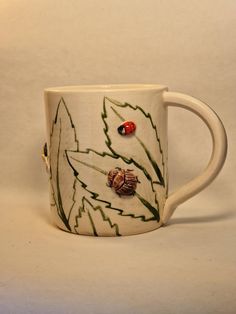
{"x": 107, "y": 157}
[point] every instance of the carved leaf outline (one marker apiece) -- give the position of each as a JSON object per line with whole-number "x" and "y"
{"x": 84, "y": 165}
{"x": 63, "y": 136}
{"x": 145, "y": 149}
{"x": 92, "y": 220}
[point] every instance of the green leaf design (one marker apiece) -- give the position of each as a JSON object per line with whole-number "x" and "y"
{"x": 63, "y": 137}
{"x": 92, "y": 220}
{"x": 84, "y": 164}
{"x": 143, "y": 157}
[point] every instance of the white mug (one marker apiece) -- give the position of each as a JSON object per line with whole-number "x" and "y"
{"x": 107, "y": 157}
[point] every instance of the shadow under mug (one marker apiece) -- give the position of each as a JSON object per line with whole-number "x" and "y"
{"x": 106, "y": 155}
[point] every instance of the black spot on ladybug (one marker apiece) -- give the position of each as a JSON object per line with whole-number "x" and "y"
{"x": 126, "y": 128}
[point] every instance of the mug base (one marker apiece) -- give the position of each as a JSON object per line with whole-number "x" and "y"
{"x": 106, "y": 235}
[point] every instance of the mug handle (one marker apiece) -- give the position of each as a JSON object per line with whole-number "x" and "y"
{"x": 219, "y": 150}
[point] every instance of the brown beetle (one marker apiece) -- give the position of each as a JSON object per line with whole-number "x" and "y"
{"x": 124, "y": 182}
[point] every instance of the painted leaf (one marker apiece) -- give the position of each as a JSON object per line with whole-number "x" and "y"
{"x": 145, "y": 151}
{"x": 90, "y": 165}
{"x": 92, "y": 220}
{"x": 63, "y": 137}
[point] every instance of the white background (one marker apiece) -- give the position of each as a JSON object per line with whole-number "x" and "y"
{"x": 190, "y": 46}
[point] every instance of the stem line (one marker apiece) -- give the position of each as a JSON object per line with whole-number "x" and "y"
{"x": 91, "y": 166}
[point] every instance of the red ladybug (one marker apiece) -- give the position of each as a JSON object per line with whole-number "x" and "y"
{"x": 126, "y": 128}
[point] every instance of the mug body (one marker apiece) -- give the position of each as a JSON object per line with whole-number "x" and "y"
{"x": 107, "y": 151}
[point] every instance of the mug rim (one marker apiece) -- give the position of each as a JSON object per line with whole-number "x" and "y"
{"x": 105, "y": 88}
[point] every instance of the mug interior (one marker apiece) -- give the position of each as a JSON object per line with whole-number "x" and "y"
{"x": 105, "y": 88}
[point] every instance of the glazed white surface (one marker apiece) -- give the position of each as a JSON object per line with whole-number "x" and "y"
{"x": 82, "y": 136}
